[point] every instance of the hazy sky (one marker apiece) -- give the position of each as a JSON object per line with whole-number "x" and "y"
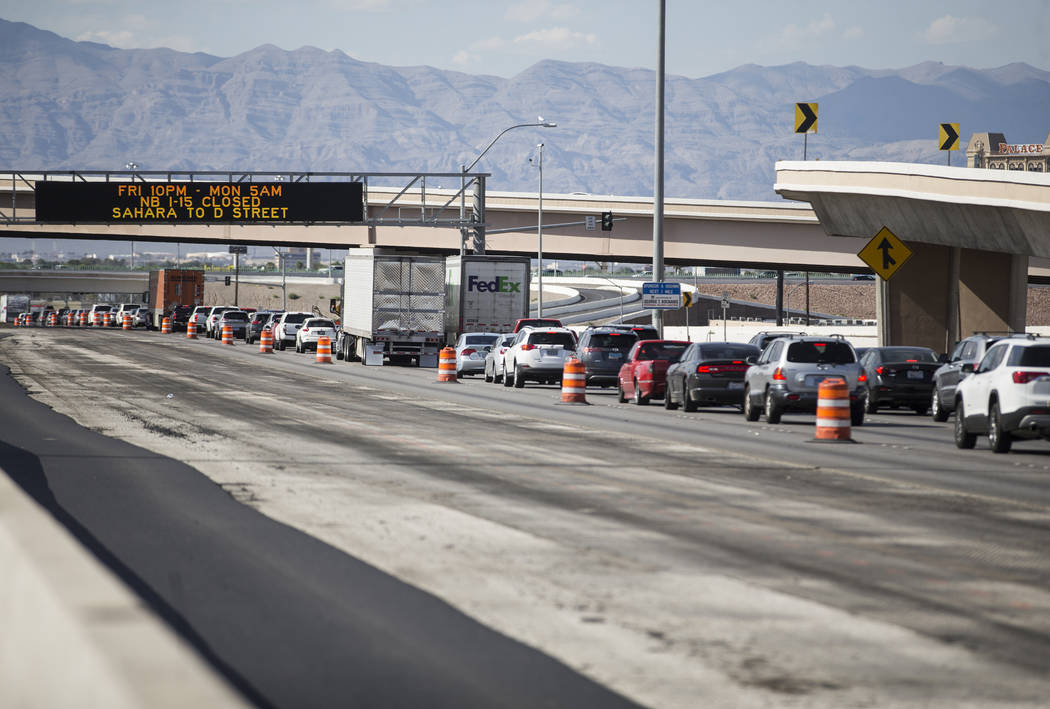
{"x": 503, "y": 38}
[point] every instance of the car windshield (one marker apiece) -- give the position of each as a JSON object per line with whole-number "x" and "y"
{"x": 552, "y": 338}
{"x": 613, "y": 340}
{"x": 820, "y": 352}
{"x": 908, "y": 354}
{"x": 727, "y": 352}
{"x": 296, "y": 317}
{"x": 670, "y": 351}
{"x": 480, "y": 339}
{"x": 235, "y": 315}
{"x": 1036, "y": 356}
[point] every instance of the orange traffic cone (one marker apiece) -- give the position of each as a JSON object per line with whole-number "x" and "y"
{"x": 447, "y": 365}
{"x": 574, "y": 382}
{"x": 324, "y": 349}
{"x": 833, "y": 411}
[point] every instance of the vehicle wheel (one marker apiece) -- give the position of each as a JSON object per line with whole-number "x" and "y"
{"x": 936, "y": 410}
{"x": 507, "y": 379}
{"x": 871, "y": 404}
{"x": 669, "y": 402}
{"x": 750, "y": 412}
{"x": 488, "y": 375}
{"x": 639, "y": 400}
{"x": 496, "y": 377}
{"x": 338, "y": 352}
{"x": 998, "y": 439}
{"x": 773, "y": 412}
{"x": 619, "y": 392}
{"x": 856, "y": 415}
{"x": 963, "y": 439}
{"x": 687, "y": 402}
{"x": 519, "y": 379}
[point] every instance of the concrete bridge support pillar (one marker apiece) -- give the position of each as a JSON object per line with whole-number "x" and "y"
{"x": 943, "y": 294}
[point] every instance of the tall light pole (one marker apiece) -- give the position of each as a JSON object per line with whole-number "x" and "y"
{"x": 539, "y": 237}
{"x": 464, "y": 169}
{"x": 132, "y": 166}
{"x": 658, "y": 175}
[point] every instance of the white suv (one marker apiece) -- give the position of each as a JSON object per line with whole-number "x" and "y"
{"x": 286, "y": 327}
{"x": 1007, "y": 396}
{"x": 307, "y": 336}
{"x": 539, "y": 354}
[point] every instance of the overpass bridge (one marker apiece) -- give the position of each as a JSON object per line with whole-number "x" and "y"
{"x": 696, "y": 232}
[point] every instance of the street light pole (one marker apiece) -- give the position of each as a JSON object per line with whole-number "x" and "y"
{"x": 658, "y": 175}
{"x": 539, "y": 237}
{"x": 464, "y": 169}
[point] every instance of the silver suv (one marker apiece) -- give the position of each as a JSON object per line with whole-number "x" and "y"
{"x": 789, "y": 371}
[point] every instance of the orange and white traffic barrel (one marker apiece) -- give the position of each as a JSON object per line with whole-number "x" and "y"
{"x": 447, "y": 365}
{"x": 574, "y": 382}
{"x": 191, "y": 329}
{"x": 227, "y": 334}
{"x": 833, "y": 411}
{"x": 52, "y": 320}
{"x": 126, "y": 325}
{"x": 266, "y": 341}
{"x": 165, "y": 326}
{"x": 18, "y": 320}
{"x": 107, "y": 319}
{"x": 324, "y": 349}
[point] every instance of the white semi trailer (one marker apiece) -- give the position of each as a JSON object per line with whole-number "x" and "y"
{"x": 393, "y": 308}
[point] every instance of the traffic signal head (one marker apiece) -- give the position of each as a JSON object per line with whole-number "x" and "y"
{"x": 607, "y": 221}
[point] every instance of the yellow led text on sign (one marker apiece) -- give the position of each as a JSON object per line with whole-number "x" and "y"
{"x": 198, "y": 202}
{"x": 168, "y": 201}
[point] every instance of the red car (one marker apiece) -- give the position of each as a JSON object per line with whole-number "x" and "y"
{"x": 643, "y": 376}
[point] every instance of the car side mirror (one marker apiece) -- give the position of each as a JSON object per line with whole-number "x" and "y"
{"x": 968, "y": 368}
{"x": 752, "y": 359}
{"x": 944, "y": 358}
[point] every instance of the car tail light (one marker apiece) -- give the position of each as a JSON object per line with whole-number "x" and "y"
{"x": 862, "y": 377}
{"x": 878, "y": 370}
{"x": 1025, "y": 377}
{"x": 703, "y": 369}
{"x": 306, "y": 329}
{"x": 527, "y": 346}
{"x": 469, "y": 351}
{"x": 779, "y": 375}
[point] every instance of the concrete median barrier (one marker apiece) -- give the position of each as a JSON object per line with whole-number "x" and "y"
{"x": 74, "y": 636}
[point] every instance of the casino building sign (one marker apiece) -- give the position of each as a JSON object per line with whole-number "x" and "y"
{"x": 990, "y": 150}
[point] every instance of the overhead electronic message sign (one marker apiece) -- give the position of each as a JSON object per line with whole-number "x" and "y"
{"x": 198, "y": 202}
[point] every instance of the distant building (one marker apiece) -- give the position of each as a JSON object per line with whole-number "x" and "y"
{"x": 990, "y": 150}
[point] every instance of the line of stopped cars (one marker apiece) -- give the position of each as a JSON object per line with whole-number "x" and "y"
{"x": 997, "y": 384}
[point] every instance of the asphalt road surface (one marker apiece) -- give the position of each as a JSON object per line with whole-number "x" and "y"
{"x": 343, "y": 535}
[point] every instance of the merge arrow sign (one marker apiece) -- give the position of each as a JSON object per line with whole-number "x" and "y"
{"x": 948, "y": 136}
{"x": 805, "y": 118}
{"x": 885, "y": 253}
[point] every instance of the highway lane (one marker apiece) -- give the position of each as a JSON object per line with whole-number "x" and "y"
{"x": 669, "y": 556}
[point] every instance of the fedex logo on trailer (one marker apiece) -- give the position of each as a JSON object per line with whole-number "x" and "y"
{"x": 501, "y": 284}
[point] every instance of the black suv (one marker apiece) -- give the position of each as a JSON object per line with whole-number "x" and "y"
{"x": 602, "y": 351}
{"x": 180, "y": 316}
{"x": 969, "y": 350}
{"x": 642, "y": 332}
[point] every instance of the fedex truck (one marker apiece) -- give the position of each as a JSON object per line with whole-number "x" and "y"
{"x": 485, "y": 293}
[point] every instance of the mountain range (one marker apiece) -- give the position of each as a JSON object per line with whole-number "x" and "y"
{"x": 82, "y": 105}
